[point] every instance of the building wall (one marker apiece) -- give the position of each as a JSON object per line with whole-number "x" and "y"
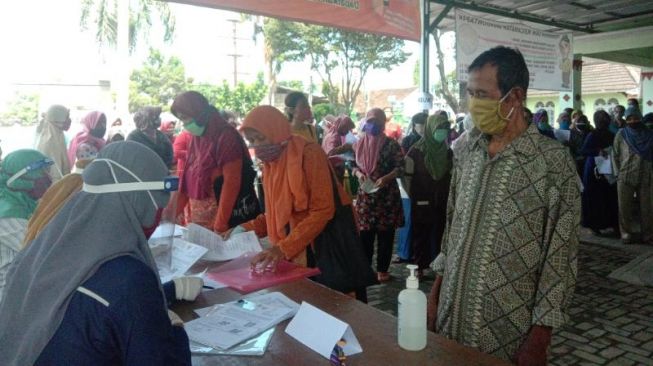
{"x": 590, "y": 103}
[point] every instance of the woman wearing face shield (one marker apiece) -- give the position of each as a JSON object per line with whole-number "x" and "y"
{"x": 86, "y": 291}
{"x": 24, "y": 178}
{"x": 430, "y": 161}
{"x": 147, "y": 132}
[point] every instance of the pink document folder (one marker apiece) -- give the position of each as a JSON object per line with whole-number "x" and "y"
{"x": 238, "y": 274}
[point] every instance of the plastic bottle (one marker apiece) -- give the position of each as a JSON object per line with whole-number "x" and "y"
{"x": 412, "y": 314}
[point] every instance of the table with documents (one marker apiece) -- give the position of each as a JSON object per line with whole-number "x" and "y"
{"x": 376, "y": 331}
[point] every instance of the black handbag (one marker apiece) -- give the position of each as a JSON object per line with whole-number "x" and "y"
{"x": 247, "y": 206}
{"x": 338, "y": 252}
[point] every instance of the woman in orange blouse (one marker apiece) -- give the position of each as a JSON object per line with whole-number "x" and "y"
{"x": 298, "y": 187}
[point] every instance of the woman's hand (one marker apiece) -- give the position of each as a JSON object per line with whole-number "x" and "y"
{"x": 233, "y": 231}
{"x": 267, "y": 260}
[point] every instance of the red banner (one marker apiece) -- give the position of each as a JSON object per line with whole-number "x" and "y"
{"x": 397, "y": 18}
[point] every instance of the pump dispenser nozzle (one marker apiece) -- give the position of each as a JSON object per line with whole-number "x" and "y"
{"x": 412, "y": 281}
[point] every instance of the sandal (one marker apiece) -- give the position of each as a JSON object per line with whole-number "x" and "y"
{"x": 383, "y": 276}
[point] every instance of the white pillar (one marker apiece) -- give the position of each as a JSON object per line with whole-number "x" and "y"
{"x": 571, "y": 99}
{"x": 122, "y": 77}
{"x": 646, "y": 83}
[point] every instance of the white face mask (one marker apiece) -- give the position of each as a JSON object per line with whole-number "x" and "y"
{"x": 168, "y": 184}
{"x": 420, "y": 129}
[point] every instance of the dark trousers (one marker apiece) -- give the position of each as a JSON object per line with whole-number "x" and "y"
{"x": 426, "y": 238}
{"x": 385, "y": 240}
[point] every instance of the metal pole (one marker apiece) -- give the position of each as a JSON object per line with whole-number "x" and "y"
{"x": 425, "y": 11}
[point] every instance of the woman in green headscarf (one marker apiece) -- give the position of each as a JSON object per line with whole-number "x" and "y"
{"x": 24, "y": 178}
{"x": 428, "y": 171}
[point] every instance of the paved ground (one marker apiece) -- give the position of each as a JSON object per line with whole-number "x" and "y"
{"x": 611, "y": 321}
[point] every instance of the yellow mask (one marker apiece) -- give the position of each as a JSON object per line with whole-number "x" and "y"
{"x": 486, "y": 114}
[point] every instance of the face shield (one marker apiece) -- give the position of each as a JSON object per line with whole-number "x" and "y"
{"x": 161, "y": 233}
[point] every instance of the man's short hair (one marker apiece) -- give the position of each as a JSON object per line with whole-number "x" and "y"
{"x": 511, "y": 67}
{"x": 293, "y": 98}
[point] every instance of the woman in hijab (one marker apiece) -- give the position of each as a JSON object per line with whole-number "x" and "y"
{"x": 541, "y": 120}
{"x": 60, "y": 192}
{"x": 298, "y": 187}
{"x": 95, "y": 126}
{"x": 431, "y": 162}
{"x": 218, "y": 173}
{"x": 299, "y": 113}
{"x": 336, "y": 130}
{"x": 86, "y": 291}
{"x": 147, "y": 122}
{"x": 577, "y": 135}
{"x": 379, "y": 162}
{"x": 599, "y": 197}
{"x": 24, "y": 178}
{"x": 417, "y": 124}
{"x": 633, "y": 159}
{"x": 52, "y": 142}
{"x": 168, "y": 129}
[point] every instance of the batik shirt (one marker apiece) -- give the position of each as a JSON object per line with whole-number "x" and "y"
{"x": 508, "y": 258}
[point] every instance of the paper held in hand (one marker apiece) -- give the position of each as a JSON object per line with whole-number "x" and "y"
{"x": 220, "y": 249}
{"x": 368, "y": 186}
{"x": 227, "y": 325}
{"x": 320, "y": 331}
{"x": 184, "y": 256}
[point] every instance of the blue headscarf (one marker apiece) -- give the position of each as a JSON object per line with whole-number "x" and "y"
{"x": 639, "y": 139}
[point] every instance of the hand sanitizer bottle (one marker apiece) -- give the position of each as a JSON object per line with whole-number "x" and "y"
{"x": 412, "y": 314}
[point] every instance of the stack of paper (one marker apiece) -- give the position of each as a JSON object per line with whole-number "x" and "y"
{"x": 184, "y": 255}
{"x": 226, "y": 325}
{"x": 220, "y": 249}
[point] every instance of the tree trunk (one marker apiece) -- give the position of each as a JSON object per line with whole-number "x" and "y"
{"x": 122, "y": 42}
{"x": 448, "y": 96}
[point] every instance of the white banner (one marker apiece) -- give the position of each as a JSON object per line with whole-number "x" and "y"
{"x": 548, "y": 55}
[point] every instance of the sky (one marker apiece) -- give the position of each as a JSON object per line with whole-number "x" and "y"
{"x": 43, "y": 43}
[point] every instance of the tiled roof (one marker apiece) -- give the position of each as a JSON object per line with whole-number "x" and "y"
{"x": 380, "y": 98}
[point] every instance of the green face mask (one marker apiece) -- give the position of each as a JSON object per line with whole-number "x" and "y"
{"x": 440, "y": 135}
{"x": 194, "y": 128}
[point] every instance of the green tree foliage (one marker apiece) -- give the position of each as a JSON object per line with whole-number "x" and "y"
{"x": 22, "y": 108}
{"x": 341, "y": 58}
{"x": 101, "y": 16}
{"x": 240, "y": 99}
{"x": 157, "y": 82}
{"x": 321, "y": 110}
{"x": 292, "y": 84}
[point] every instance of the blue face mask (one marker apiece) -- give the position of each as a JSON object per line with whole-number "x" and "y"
{"x": 564, "y": 125}
{"x": 371, "y": 128}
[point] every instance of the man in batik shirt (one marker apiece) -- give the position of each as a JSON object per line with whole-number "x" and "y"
{"x": 508, "y": 264}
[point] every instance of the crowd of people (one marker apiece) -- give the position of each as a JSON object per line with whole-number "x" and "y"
{"x": 495, "y": 207}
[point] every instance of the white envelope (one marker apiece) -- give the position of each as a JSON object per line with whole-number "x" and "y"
{"x": 320, "y": 331}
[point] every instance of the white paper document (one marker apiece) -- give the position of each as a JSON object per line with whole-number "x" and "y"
{"x": 561, "y": 135}
{"x": 184, "y": 255}
{"x": 603, "y": 165}
{"x": 320, "y": 331}
{"x": 218, "y": 248}
{"x": 226, "y": 325}
{"x": 165, "y": 230}
{"x": 368, "y": 186}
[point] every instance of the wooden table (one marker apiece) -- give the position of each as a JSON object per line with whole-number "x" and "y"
{"x": 375, "y": 330}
